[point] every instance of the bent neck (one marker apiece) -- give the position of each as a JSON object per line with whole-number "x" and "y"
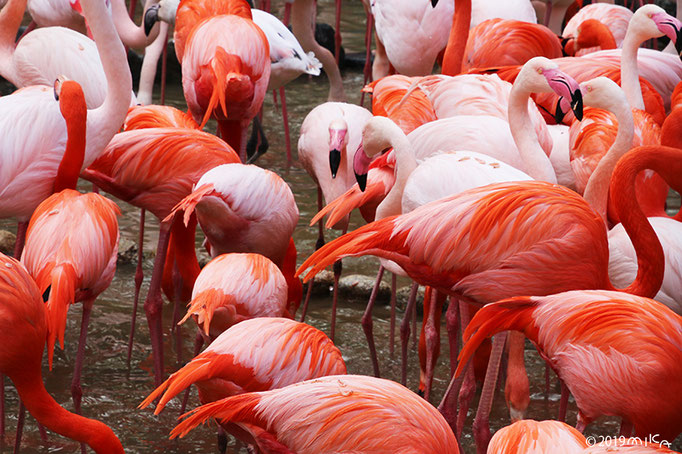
{"x": 405, "y": 163}
{"x": 597, "y": 188}
{"x": 75, "y": 114}
{"x": 131, "y": 35}
{"x": 537, "y": 163}
{"x": 667, "y": 162}
{"x": 49, "y": 413}
{"x": 457, "y": 41}
{"x": 107, "y": 119}
{"x": 629, "y": 73}
{"x": 10, "y": 20}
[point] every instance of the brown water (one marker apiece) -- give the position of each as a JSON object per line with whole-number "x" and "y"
{"x": 112, "y": 391}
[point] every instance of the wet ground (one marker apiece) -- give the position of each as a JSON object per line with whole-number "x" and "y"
{"x": 112, "y": 390}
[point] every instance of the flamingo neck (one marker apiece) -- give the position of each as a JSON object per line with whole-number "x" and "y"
{"x": 516, "y": 390}
{"x": 131, "y": 34}
{"x": 457, "y": 41}
{"x": 75, "y": 113}
{"x": 294, "y": 285}
{"x": 106, "y": 120}
{"x": 10, "y": 20}
{"x": 405, "y": 163}
{"x": 49, "y": 413}
{"x": 537, "y": 163}
{"x": 629, "y": 72}
{"x": 597, "y": 188}
{"x": 667, "y": 162}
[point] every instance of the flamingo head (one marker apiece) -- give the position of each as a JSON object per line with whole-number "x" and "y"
{"x": 361, "y": 167}
{"x": 651, "y": 21}
{"x": 338, "y": 140}
{"x": 541, "y": 74}
{"x": 376, "y": 139}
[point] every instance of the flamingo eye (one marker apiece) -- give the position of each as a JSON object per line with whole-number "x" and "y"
{"x": 539, "y": 70}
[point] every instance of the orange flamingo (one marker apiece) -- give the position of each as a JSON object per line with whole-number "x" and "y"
{"x": 225, "y": 65}
{"x": 343, "y": 413}
{"x": 236, "y": 287}
{"x": 504, "y": 246}
{"x": 539, "y": 437}
{"x": 274, "y": 358}
{"x": 596, "y": 26}
{"x": 620, "y": 363}
{"x": 24, "y": 323}
{"x": 244, "y": 208}
{"x": 154, "y": 169}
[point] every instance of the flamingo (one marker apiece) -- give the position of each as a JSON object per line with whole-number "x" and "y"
{"x": 32, "y": 160}
{"x": 154, "y": 169}
{"x": 540, "y": 437}
{"x": 24, "y": 323}
{"x": 606, "y": 23}
{"x": 601, "y": 362}
{"x": 281, "y": 352}
{"x": 385, "y": 416}
{"x": 243, "y": 208}
{"x": 225, "y": 65}
{"x": 626, "y": 448}
{"x": 509, "y": 242}
{"x": 236, "y": 287}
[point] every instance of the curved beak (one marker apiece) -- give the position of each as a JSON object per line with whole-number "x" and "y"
{"x": 334, "y": 161}
{"x": 561, "y": 109}
{"x": 361, "y": 167}
{"x": 151, "y": 16}
{"x": 564, "y": 85}
{"x": 671, "y": 27}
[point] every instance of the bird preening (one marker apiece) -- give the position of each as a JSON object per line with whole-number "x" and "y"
{"x": 519, "y": 160}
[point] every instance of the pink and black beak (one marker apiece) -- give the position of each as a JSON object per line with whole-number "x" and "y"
{"x": 565, "y": 86}
{"x": 361, "y": 167}
{"x": 151, "y": 17}
{"x": 672, "y": 28}
{"x": 336, "y": 138}
{"x": 562, "y": 108}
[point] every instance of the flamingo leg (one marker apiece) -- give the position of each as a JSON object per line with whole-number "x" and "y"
{"x": 164, "y": 70}
{"x": 337, "y": 32}
{"x": 625, "y": 428}
{"x": 448, "y": 405}
{"x": 262, "y": 146}
{"x": 2, "y": 406}
{"x": 20, "y": 427}
{"x": 318, "y": 245}
{"x": 405, "y": 331}
{"x": 335, "y": 297}
{"x": 154, "y": 303}
{"x": 198, "y": 343}
{"x": 76, "y": 390}
{"x": 547, "y": 379}
{"x": 391, "y": 333}
{"x": 222, "y": 440}
{"x": 452, "y": 326}
{"x": 563, "y": 402}
{"x": 481, "y": 426}
{"x": 139, "y": 277}
{"x": 177, "y": 315}
{"x": 367, "y": 70}
{"x": 367, "y": 323}
{"x": 468, "y": 389}
{"x": 21, "y": 239}
{"x": 285, "y": 119}
{"x": 430, "y": 324}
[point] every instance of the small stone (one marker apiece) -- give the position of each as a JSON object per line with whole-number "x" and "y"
{"x": 127, "y": 251}
{"x": 7, "y": 240}
{"x": 357, "y": 286}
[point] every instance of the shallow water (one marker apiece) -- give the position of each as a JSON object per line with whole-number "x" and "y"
{"x": 112, "y": 391}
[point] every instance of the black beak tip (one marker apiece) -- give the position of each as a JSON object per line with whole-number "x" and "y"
{"x": 559, "y": 113}
{"x": 334, "y": 161}
{"x": 577, "y": 104}
{"x": 151, "y": 16}
{"x": 434, "y": 3}
{"x": 362, "y": 181}
{"x": 678, "y": 43}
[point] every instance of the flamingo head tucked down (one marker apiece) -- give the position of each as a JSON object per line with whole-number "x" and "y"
{"x": 338, "y": 140}
{"x": 376, "y": 140}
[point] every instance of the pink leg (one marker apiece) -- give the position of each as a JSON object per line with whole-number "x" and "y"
{"x": 468, "y": 389}
{"x": 481, "y": 427}
{"x": 337, "y": 32}
{"x": 20, "y": 427}
{"x": 432, "y": 341}
{"x": 335, "y": 297}
{"x": 2, "y": 406}
{"x": 405, "y": 331}
{"x": 177, "y": 310}
{"x": 367, "y": 71}
{"x": 563, "y": 402}
{"x": 414, "y": 326}
{"x": 307, "y": 300}
{"x": 287, "y": 14}
{"x": 448, "y": 406}
{"x": 285, "y": 118}
{"x": 547, "y": 379}
{"x": 43, "y": 433}
{"x": 367, "y": 322}
{"x": 452, "y": 326}
{"x": 76, "y": 390}
{"x": 391, "y": 334}
{"x": 139, "y": 277}
{"x": 164, "y": 64}
{"x": 21, "y": 239}
{"x": 318, "y": 244}
{"x": 198, "y": 343}
{"x": 154, "y": 303}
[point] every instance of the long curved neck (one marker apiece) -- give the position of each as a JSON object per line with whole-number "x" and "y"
{"x": 538, "y": 165}
{"x": 49, "y": 413}
{"x": 457, "y": 41}
{"x": 10, "y": 20}
{"x": 629, "y": 73}
{"x": 667, "y": 162}
{"x": 106, "y": 120}
{"x": 405, "y": 163}
{"x": 75, "y": 113}
{"x": 130, "y": 33}
{"x": 597, "y": 189}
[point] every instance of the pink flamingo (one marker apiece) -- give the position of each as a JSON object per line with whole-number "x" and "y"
{"x": 385, "y": 416}
{"x": 24, "y": 318}
{"x": 604, "y": 23}
{"x": 540, "y": 437}
{"x": 154, "y": 169}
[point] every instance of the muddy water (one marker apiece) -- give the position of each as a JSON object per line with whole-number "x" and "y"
{"x": 112, "y": 391}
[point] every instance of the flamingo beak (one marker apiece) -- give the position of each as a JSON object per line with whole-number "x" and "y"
{"x": 562, "y": 107}
{"x": 564, "y": 85}
{"x": 671, "y": 27}
{"x": 334, "y": 161}
{"x": 361, "y": 167}
{"x": 336, "y": 144}
{"x": 151, "y": 16}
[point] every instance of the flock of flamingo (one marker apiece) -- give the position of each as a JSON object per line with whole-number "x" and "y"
{"x": 525, "y": 185}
